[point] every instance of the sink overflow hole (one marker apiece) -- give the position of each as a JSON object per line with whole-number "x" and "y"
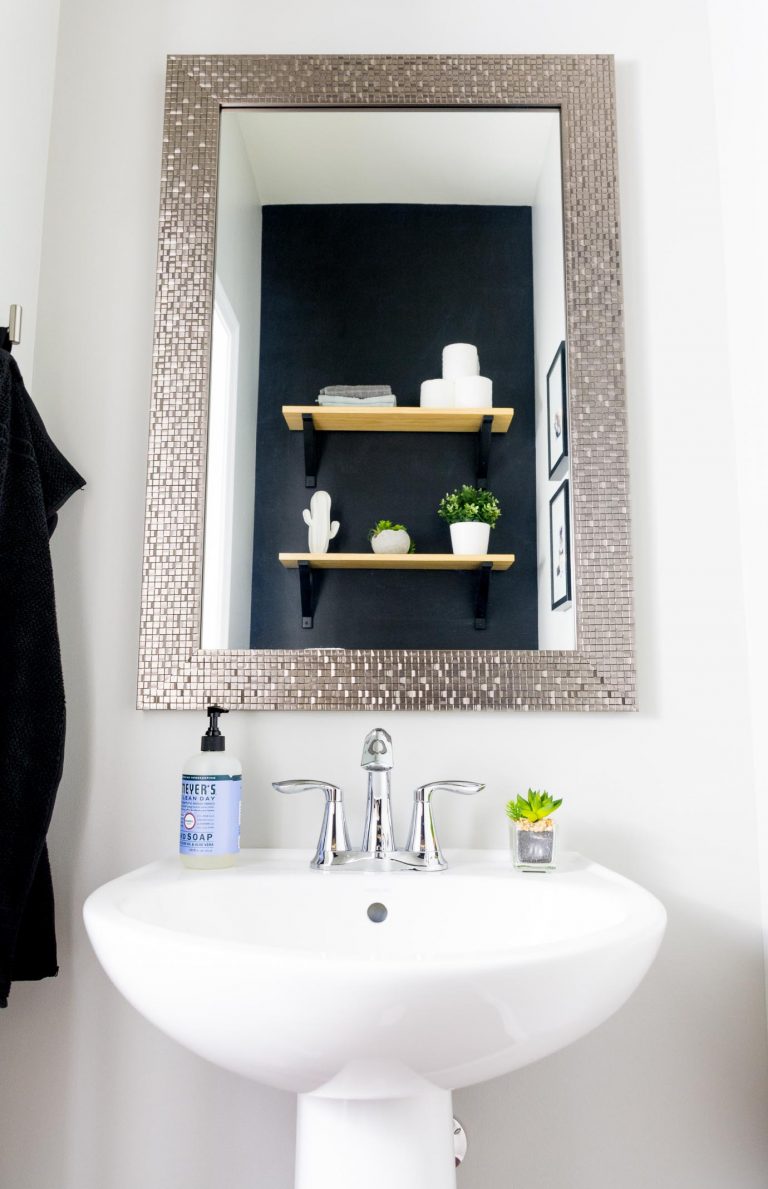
{"x": 377, "y": 913}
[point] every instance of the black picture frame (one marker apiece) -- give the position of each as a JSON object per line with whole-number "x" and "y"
{"x": 557, "y": 414}
{"x": 560, "y": 548}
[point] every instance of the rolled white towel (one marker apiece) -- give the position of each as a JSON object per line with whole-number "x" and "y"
{"x": 437, "y": 394}
{"x": 460, "y": 359}
{"x": 473, "y": 392}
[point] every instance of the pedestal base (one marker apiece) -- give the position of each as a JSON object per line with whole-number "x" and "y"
{"x": 377, "y": 1143}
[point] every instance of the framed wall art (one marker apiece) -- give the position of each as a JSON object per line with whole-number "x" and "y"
{"x": 560, "y": 547}
{"x": 557, "y": 415}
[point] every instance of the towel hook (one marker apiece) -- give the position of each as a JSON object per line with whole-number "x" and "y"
{"x": 11, "y": 334}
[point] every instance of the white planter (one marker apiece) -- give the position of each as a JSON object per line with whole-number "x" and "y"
{"x": 391, "y": 541}
{"x": 470, "y": 537}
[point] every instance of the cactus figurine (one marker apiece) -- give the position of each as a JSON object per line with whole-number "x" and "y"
{"x": 318, "y": 516}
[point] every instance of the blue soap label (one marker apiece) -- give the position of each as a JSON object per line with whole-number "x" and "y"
{"x": 210, "y": 815}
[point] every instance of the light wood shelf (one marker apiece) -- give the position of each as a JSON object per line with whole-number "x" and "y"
{"x": 397, "y": 561}
{"x": 399, "y": 419}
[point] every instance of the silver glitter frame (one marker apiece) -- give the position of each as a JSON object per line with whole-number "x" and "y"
{"x": 174, "y": 672}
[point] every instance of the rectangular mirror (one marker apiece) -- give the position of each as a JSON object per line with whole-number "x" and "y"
{"x": 351, "y": 247}
{"x": 327, "y": 229}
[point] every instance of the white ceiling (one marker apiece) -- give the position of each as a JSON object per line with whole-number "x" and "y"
{"x": 465, "y": 157}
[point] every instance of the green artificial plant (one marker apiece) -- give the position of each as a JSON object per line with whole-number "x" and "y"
{"x": 534, "y": 808}
{"x": 469, "y": 504}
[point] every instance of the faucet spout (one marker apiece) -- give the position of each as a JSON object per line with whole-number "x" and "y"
{"x": 377, "y": 751}
{"x": 378, "y": 835}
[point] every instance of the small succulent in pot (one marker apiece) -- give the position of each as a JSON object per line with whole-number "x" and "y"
{"x": 532, "y": 831}
{"x": 386, "y": 537}
{"x": 471, "y": 513}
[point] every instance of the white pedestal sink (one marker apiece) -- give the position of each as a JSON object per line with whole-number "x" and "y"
{"x": 290, "y": 976}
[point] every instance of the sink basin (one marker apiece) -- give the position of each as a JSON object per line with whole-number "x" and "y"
{"x": 373, "y": 995}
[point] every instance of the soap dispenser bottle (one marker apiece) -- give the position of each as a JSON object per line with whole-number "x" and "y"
{"x": 210, "y": 802}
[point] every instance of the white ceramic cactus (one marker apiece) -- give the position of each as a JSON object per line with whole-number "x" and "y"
{"x": 318, "y": 517}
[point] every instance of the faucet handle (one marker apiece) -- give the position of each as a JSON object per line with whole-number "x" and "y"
{"x": 466, "y": 787}
{"x": 422, "y": 842}
{"x": 334, "y": 839}
{"x": 332, "y": 791}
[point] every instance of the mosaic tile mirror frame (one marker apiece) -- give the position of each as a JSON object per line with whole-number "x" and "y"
{"x": 174, "y": 672}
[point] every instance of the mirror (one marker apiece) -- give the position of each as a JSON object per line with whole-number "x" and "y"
{"x": 351, "y": 248}
{"x": 331, "y": 222}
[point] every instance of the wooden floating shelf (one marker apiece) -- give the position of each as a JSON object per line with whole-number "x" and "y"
{"x": 400, "y": 419}
{"x": 481, "y": 563}
{"x": 397, "y": 561}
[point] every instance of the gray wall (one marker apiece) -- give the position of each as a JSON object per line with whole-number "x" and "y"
{"x": 671, "y": 1092}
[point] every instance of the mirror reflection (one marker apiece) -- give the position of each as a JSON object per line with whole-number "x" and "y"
{"x": 388, "y": 458}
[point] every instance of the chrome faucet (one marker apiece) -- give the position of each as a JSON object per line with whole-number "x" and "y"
{"x": 378, "y": 850}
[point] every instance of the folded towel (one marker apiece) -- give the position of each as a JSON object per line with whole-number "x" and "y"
{"x": 360, "y": 391}
{"x": 358, "y": 401}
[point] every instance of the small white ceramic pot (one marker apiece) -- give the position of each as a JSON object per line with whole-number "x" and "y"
{"x": 470, "y": 537}
{"x": 391, "y": 541}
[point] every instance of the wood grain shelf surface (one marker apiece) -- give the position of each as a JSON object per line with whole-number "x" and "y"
{"x": 397, "y": 561}
{"x": 400, "y": 419}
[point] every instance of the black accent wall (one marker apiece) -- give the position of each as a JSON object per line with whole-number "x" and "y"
{"x": 370, "y": 294}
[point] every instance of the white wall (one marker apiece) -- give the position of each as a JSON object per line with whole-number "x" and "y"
{"x": 26, "y": 95}
{"x": 739, "y": 31}
{"x": 557, "y": 629}
{"x": 238, "y": 269}
{"x": 670, "y": 1093}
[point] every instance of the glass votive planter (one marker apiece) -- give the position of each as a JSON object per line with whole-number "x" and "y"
{"x": 533, "y": 845}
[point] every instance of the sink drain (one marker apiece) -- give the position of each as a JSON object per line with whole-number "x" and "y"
{"x": 377, "y": 913}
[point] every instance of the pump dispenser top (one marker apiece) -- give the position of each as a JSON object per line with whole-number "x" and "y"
{"x": 213, "y": 740}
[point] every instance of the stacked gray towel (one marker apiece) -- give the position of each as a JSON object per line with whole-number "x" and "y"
{"x": 357, "y": 394}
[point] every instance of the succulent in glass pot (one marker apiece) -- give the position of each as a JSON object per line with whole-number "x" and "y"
{"x": 532, "y": 831}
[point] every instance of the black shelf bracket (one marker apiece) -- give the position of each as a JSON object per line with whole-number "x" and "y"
{"x": 305, "y": 585}
{"x": 484, "y": 451}
{"x": 482, "y": 590}
{"x": 310, "y": 450}
{"x": 481, "y": 598}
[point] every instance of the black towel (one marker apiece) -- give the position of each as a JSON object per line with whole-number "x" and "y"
{"x": 35, "y": 480}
